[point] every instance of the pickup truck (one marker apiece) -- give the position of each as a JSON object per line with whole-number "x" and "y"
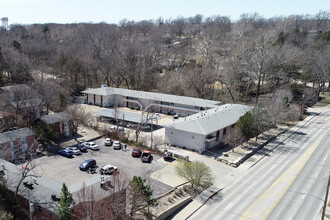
{"x": 146, "y": 156}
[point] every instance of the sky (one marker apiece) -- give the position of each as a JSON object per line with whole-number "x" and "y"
{"x": 112, "y": 11}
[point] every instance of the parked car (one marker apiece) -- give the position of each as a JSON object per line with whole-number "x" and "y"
{"x": 94, "y": 147}
{"x": 145, "y": 127}
{"x": 81, "y": 147}
{"x": 107, "y": 169}
{"x": 91, "y": 145}
{"x": 66, "y": 152}
{"x": 87, "y": 144}
{"x": 168, "y": 155}
{"x": 74, "y": 150}
{"x": 136, "y": 152}
{"x": 121, "y": 129}
{"x": 117, "y": 145}
{"x": 87, "y": 164}
{"x": 175, "y": 116}
{"x": 112, "y": 128}
{"x": 108, "y": 142}
{"x": 146, "y": 156}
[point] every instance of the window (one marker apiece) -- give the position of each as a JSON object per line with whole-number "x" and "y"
{"x": 224, "y": 131}
{"x": 171, "y": 132}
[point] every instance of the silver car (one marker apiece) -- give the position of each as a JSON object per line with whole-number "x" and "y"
{"x": 74, "y": 150}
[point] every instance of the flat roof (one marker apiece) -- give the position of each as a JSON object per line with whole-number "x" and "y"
{"x": 185, "y": 100}
{"x": 122, "y": 115}
{"x": 209, "y": 121}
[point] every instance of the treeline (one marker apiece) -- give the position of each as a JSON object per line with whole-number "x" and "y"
{"x": 210, "y": 57}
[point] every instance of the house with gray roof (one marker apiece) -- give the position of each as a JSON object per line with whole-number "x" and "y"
{"x": 59, "y": 122}
{"x": 156, "y": 102}
{"x": 205, "y": 129}
{"x": 16, "y": 144}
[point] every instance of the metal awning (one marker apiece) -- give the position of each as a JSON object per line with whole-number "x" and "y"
{"x": 123, "y": 115}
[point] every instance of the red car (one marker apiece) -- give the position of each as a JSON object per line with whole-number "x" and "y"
{"x": 136, "y": 152}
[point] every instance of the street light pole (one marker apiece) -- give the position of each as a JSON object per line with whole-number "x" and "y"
{"x": 152, "y": 123}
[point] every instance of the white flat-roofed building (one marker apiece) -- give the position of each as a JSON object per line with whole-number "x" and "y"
{"x": 205, "y": 129}
{"x": 157, "y": 102}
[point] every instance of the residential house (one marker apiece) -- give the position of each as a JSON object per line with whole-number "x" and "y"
{"x": 147, "y": 101}
{"x": 59, "y": 122}
{"x": 17, "y": 144}
{"x": 205, "y": 129}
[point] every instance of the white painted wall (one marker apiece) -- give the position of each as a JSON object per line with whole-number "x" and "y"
{"x": 185, "y": 139}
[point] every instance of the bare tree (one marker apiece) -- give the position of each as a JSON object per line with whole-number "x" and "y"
{"x": 78, "y": 116}
{"x": 234, "y": 137}
{"x": 107, "y": 202}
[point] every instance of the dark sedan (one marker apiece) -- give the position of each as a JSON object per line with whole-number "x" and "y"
{"x": 81, "y": 147}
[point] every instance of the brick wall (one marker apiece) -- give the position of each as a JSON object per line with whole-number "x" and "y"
{"x": 6, "y": 151}
{"x": 57, "y": 128}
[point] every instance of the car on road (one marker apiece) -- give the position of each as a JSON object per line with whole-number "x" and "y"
{"x": 108, "y": 142}
{"x": 108, "y": 169}
{"x": 92, "y": 146}
{"x": 74, "y": 150}
{"x": 146, "y": 156}
{"x": 66, "y": 152}
{"x": 117, "y": 145}
{"x": 81, "y": 147}
{"x": 136, "y": 152}
{"x": 87, "y": 164}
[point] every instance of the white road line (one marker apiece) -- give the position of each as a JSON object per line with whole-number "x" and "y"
{"x": 316, "y": 174}
{"x": 303, "y": 196}
{"x": 325, "y": 158}
{"x": 228, "y": 207}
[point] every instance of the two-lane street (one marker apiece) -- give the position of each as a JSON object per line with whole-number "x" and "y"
{"x": 288, "y": 183}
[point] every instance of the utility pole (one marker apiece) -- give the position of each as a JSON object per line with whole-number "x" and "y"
{"x": 31, "y": 205}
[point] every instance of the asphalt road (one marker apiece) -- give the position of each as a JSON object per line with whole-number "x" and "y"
{"x": 288, "y": 183}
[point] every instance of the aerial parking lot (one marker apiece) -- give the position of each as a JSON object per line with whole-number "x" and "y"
{"x": 63, "y": 169}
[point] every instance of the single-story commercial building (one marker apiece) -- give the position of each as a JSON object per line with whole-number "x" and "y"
{"x": 156, "y": 102}
{"x": 205, "y": 129}
{"x": 59, "y": 122}
{"x": 16, "y": 144}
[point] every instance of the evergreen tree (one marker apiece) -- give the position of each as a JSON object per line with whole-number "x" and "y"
{"x": 246, "y": 124}
{"x": 140, "y": 197}
{"x": 45, "y": 133}
{"x": 63, "y": 208}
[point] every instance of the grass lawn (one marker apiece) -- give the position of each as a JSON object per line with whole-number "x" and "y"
{"x": 325, "y": 99}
